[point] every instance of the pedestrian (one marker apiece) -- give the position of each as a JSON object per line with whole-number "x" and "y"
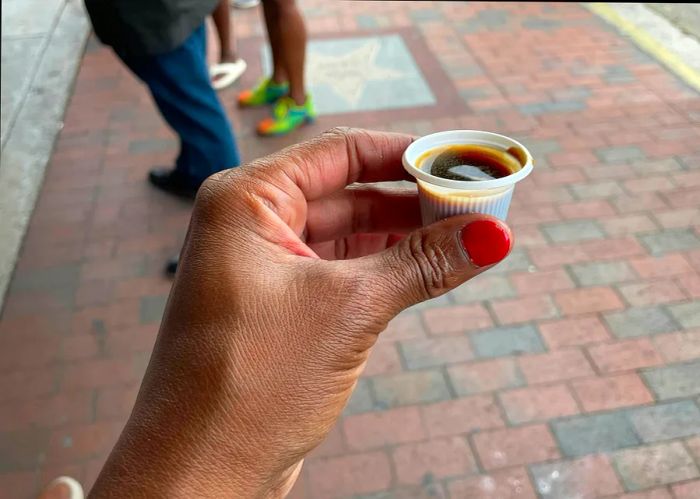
{"x": 284, "y": 88}
{"x": 230, "y": 67}
{"x": 163, "y": 42}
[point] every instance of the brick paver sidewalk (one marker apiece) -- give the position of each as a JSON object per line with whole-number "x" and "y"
{"x": 571, "y": 370}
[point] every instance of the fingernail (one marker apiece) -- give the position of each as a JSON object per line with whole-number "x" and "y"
{"x": 486, "y": 242}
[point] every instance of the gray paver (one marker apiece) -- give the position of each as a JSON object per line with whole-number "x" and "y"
{"x": 434, "y": 352}
{"x": 573, "y": 231}
{"x": 63, "y": 277}
{"x": 660, "y": 464}
{"x": 152, "y": 308}
{"x": 667, "y": 421}
{"x": 686, "y": 314}
{"x": 668, "y": 241}
{"x": 602, "y": 273}
{"x": 517, "y": 261}
{"x": 415, "y": 387}
{"x": 361, "y": 399}
{"x": 642, "y": 321}
{"x": 470, "y": 379}
{"x": 503, "y": 341}
{"x": 597, "y": 433}
{"x": 674, "y": 381}
{"x": 486, "y": 286}
{"x": 597, "y": 190}
{"x": 618, "y": 154}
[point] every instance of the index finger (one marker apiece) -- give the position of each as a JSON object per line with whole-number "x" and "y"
{"x": 338, "y": 158}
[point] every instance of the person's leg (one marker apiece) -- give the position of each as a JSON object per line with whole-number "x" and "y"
{"x": 222, "y": 22}
{"x": 180, "y": 85}
{"x": 287, "y": 34}
{"x": 273, "y": 88}
{"x": 272, "y": 24}
{"x": 230, "y": 66}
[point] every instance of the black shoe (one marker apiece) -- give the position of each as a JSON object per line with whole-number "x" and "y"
{"x": 171, "y": 266}
{"x": 171, "y": 181}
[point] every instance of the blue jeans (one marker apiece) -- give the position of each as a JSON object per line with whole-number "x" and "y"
{"x": 181, "y": 87}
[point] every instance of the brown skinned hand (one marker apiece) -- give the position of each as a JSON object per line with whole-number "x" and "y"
{"x": 286, "y": 279}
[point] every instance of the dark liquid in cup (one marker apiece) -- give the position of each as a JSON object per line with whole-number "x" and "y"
{"x": 471, "y": 162}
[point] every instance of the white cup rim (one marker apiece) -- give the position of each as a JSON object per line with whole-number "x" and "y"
{"x": 476, "y": 137}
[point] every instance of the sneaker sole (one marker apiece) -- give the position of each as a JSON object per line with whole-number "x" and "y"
{"x": 307, "y": 121}
{"x": 242, "y": 105}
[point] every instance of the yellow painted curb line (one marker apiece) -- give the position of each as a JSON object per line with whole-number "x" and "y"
{"x": 648, "y": 44}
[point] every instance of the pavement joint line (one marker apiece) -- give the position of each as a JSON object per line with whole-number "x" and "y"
{"x": 448, "y": 382}
{"x": 472, "y": 447}
{"x": 643, "y": 39}
{"x": 579, "y": 403}
{"x": 693, "y": 455}
{"x": 616, "y": 470}
{"x": 690, "y": 453}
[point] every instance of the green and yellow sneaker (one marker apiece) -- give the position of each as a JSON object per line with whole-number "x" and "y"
{"x": 287, "y": 116}
{"x": 267, "y": 92}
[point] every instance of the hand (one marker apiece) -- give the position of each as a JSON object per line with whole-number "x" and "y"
{"x": 287, "y": 277}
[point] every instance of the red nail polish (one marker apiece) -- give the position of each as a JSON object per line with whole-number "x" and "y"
{"x": 486, "y": 242}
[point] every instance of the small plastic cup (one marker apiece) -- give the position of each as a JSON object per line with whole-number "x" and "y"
{"x": 442, "y": 198}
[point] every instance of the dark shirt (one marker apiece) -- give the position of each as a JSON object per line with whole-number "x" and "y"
{"x": 140, "y": 28}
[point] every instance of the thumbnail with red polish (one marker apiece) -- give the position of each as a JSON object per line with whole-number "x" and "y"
{"x": 486, "y": 242}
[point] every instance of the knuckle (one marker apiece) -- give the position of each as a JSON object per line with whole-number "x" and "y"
{"x": 208, "y": 198}
{"x": 431, "y": 264}
{"x": 221, "y": 185}
{"x": 209, "y": 191}
{"x": 360, "y": 309}
{"x": 347, "y": 135}
{"x": 339, "y": 131}
{"x": 220, "y": 193}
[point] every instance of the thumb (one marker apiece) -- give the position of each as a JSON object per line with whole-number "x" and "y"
{"x": 435, "y": 259}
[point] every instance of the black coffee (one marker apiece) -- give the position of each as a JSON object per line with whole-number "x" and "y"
{"x": 471, "y": 162}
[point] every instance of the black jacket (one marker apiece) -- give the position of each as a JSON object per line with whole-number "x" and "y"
{"x": 141, "y": 28}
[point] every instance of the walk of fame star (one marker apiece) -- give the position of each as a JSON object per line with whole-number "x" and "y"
{"x": 362, "y": 74}
{"x": 348, "y": 74}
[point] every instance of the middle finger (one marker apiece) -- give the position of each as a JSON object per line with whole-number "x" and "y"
{"x": 362, "y": 209}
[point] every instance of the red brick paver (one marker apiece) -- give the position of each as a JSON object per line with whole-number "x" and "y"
{"x": 611, "y": 392}
{"x": 624, "y": 355}
{"x": 513, "y": 483}
{"x": 573, "y": 332}
{"x": 437, "y": 458}
{"x": 555, "y": 366}
{"x": 589, "y": 320}
{"x": 538, "y": 403}
{"x": 515, "y": 446}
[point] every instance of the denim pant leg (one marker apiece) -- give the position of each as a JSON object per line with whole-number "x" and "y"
{"x": 181, "y": 87}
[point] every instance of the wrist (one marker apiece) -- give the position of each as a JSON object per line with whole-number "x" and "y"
{"x": 150, "y": 462}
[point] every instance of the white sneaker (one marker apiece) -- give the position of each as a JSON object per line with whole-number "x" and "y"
{"x": 226, "y": 73}
{"x": 63, "y": 487}
{"x": 245, "y": 4}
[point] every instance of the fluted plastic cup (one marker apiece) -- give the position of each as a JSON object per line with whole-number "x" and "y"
{"x": 442, "y": 198}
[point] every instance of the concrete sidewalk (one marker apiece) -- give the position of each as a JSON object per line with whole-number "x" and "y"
{"x": 42, "y": 44}
{"x": 571, "y": 370}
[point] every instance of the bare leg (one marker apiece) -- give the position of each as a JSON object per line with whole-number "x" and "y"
{"x": 279, "y": 75}
{"x": 284, "y": 19}
{"x": 222, "y": 21}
